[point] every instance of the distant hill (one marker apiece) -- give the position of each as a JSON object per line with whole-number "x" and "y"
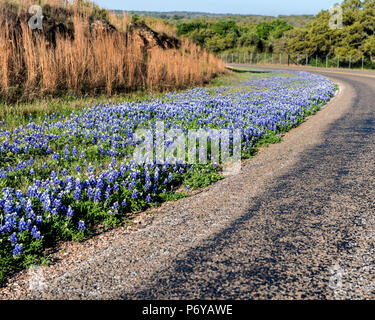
{"x": 294, "y": 20}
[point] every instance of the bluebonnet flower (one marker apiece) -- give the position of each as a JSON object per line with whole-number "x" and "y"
{"x": 81, "y": 226}
{"x": 22, "y": 225}
{"x": 66, "y": 152}
{"x": 70, "y": 212}
{"x": 35, "y": 233}
{"x": 56, "y": 156}
{"x": 13, "y": 238}
{"x": 98, "y": 195}
{"x": 17, "y": 250}
{"x": 74, "y": 151}
{"x": 107, "y": 193}
{"x": 135, "y": 194}
{"x": 53, "y": 175}
{"x": 39, "y": 220}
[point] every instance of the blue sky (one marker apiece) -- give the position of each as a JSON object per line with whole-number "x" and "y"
{"x": 261, "y": 7}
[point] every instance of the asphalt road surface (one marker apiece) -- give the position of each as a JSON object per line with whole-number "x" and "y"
{"x": 297, "y": 223}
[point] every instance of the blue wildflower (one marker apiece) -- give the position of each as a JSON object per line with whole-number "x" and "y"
{"x": 17, "y": 250}
{"x": 70, "y": 212}
{"x": 81, "y": 226}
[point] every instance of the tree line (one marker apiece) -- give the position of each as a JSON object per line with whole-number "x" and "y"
{"x": 356, "y": 38}
{"x": 229, "y": 35}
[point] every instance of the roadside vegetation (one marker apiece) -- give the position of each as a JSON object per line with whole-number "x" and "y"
{"x": 83, "y": 49}
{"x": 64, "y": 174}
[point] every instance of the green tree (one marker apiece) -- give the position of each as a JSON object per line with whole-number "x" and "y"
{"x": 200, "y": 36}
{"x": 225, "y": 27}
{"x": 354, "y": 40}
{"x": 186, "y": 28}
{"x": 369, "y": 47}
{"x": 263, "y": 30}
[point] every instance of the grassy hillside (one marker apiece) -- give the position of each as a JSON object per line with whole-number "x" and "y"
{"x": 84, "y": 49}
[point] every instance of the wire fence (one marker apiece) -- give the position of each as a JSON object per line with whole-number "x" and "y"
{"x": 299, "y": 60}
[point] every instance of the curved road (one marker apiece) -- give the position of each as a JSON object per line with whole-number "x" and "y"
{"x": 297, "y": 223}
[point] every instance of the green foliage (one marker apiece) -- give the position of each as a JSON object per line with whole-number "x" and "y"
{"x": 202, "y": 176}
{"x": 225, "y": 35}
{"x": 355, "y": 40}
{"x": 180, "y": 17}
{"x": 224, "y": 28}
{"x": 312, "y": 37}
{"x": 186, "y": 28}
{"x": 274, "y": 29}
{"x": 172, "y": 196}
{"x": 136, "y": 19}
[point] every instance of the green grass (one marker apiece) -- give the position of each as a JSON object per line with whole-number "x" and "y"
{"x": 248, "y": 70}
{"x": 18, "y": 113}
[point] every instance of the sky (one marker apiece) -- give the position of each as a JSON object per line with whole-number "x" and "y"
{"x": 258, "y": 7}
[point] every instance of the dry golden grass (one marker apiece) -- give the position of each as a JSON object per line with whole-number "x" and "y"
{"x": 94, "y": 62}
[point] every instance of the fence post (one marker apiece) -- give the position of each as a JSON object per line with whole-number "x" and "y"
{"x": 251, "y": 58}
{"x": 327, "y": 62}
{"x": 281, "y": 58}
{"x": 307, "y": 60}
{"x": 338, "y": 62}
{"x": 316, "y": 61}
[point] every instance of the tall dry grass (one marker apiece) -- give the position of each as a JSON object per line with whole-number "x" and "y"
{"x": 94, "y": 62}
